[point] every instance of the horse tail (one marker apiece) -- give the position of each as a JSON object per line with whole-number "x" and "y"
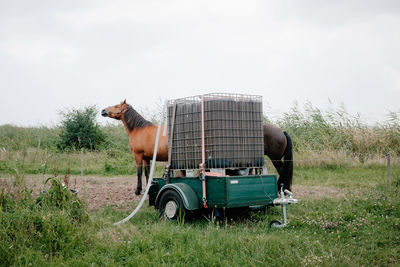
{"x": 288, "y": 161}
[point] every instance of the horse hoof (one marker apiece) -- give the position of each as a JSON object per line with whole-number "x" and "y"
{"x": 137, "y": 192}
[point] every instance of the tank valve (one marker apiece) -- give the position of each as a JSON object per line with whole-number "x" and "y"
{"x": 283, "y": 202}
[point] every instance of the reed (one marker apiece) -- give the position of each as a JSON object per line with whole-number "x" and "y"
{"x": 335, "y": 130}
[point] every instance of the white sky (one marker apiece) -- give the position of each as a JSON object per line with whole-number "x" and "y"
{"x": 63, "y": 54}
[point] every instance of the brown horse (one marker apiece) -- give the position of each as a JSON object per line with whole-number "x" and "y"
{"x": 278, "y": 145}
{"x": 142, "y": 136}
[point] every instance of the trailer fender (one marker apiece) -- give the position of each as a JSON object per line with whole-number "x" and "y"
{"x": 189, "y": 197}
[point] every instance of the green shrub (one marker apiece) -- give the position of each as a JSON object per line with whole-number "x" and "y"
{"x": 80, "y": 130}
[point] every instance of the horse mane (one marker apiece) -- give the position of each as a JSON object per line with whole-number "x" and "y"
{"x": 134, "y": 119}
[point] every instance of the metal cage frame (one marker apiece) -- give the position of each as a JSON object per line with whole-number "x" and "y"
{"x": 233, "y": 132}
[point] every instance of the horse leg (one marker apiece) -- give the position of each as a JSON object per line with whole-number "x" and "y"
{"x": 147, "y": 170}
{"x": 285, "y": 171}
{"x": 287, "y": 168}
{"x": 139, "y": 182}
{"x": 139, "y": 175}
{"x": 278, "y": 164}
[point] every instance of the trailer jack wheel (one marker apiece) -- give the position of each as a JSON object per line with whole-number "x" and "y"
{"x": 276, "y": 224}
{"x": 171, "y": 206}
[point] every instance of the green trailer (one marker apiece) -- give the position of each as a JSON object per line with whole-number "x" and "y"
{"x": 185, "y": 193}
{"x": 215, "y": 158}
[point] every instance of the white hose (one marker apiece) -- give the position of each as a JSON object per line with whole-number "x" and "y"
{"x": 153, "y": 163}
{"x": 166, "y": 121}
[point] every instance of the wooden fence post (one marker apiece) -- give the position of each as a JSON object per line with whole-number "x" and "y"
{"x": 37, "y": 150}
{"x": 388, "y": 171}
{"x": 81, "y": 161}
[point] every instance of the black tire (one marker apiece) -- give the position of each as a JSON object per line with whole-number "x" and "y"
{"x": 275, "y": 224}
{"x": 171, "y": 206}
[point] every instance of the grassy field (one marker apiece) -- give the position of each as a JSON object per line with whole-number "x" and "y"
{"x": 346, "y": 217}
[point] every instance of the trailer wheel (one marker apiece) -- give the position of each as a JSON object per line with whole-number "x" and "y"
{"x": 171, "y": 206}
{"x": 276, "y": 224}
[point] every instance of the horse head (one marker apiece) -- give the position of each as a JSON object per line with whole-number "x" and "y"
{"x": 116, "y": 111}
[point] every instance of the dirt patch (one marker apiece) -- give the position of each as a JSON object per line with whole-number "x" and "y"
{"x": 102, "y": 191}
{"x": 97, "y": 191}
{"x": 119, "y": 191}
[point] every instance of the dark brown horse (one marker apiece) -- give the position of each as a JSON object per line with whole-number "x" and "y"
{"x": 142, "y": 136}
{"x": 278, "y": 145}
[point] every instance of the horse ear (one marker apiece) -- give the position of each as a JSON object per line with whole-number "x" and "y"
{"x": 124, "y": 101}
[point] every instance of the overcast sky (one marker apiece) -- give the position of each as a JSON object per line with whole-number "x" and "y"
{"x": 70, "y": 54}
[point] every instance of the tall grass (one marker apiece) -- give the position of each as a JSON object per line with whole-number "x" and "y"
{"x": 335, "y": 130}
{"x": 320, "y": 138}
{"x": 43, "y": 228}
{"x": 34, "y": 150}
{"x": 14, "y": 138}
